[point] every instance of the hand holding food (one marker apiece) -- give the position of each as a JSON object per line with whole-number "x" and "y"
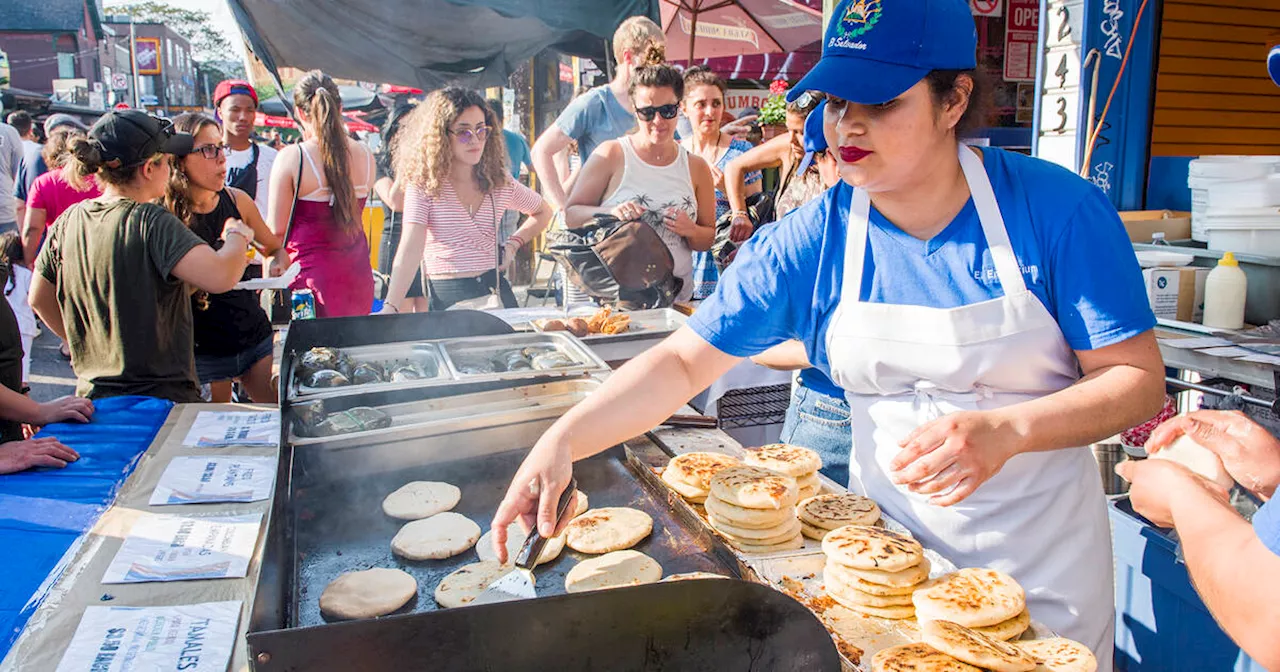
{"x": 953, "y": 455}
{"x": 1250, "y": 454}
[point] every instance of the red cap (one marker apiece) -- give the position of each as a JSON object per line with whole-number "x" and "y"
{"x": 231, "y": 87}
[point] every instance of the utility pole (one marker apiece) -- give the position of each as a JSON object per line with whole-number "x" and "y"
{"x": 133, "y": 64}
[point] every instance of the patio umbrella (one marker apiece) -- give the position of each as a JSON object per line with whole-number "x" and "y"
{"x": 738, "y": 27}
{"x": 276, "y": 121}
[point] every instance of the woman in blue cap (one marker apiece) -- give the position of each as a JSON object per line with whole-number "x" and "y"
{"x": 983, "y": 312}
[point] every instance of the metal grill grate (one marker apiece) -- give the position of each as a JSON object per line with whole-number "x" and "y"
{"x": 754, "y": 406}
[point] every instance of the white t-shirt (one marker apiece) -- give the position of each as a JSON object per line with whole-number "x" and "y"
{"x": 266, "y": 157}
{"x": 18, "y": 300}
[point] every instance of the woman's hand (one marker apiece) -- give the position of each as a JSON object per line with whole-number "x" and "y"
{"x": 717, "y": 176}
{"x": 509, "y": 250}
{"x": 275, "y": 265}
{"x": 73, "y": 409}
{"x": 234, "y": 226}
{"x": 627, "y": 212}
{"x": 740, "y": 228}
{"x": 1250, "y": 453}
{"x": 17, "y": 456}
{"x": 680, "y": 223}
{"x": 953, "y": 455}
{"x": 1156, "y": 484}
{"x": 534, "y": 491}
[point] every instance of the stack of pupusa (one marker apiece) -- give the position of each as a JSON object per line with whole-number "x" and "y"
{"x": 799, "y": 463}
{"x": 985, "y": 600}
{"x": 690, "y": 474}
{"x": 755, "y": 509}
{"x": 821, "y": 514}
{"x": 873, "y": 570}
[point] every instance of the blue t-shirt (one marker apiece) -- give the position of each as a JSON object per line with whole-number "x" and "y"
{"x": 1266, "y": 523}
{"x": 593, "y": 118}
{"x": 1069, "y": 240}
{"x": 517, "y": 151}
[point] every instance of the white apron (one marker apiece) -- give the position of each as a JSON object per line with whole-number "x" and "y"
{"x": 1042, "y": 518}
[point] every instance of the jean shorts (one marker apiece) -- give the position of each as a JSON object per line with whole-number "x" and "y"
{"x": 821, "y": 423}
{"x": 211, "y": 368}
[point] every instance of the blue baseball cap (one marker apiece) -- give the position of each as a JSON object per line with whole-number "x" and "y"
{"x": 1273, "y": 64}
{"x": 874, "y": 50}
{"x": 815, "y": 140}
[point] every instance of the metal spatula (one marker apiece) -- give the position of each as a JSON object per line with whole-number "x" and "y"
{"x": 518, "y": 584}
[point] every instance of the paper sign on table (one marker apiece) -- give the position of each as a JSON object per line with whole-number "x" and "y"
{"x": 179, "y": 548}
{"x": 1233, "y": 351}
{"x": 220, "y": 429}
{"x": 217, "y": 478}
{"x": 1195, "y": 343}
{"x": 192, "y": 637}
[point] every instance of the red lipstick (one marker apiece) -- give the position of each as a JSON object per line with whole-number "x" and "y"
{"x": 850, "y": 154}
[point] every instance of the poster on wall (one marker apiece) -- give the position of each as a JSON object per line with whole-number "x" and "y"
{"x": 986, "y": 7}
{"x": 1021, "y": 35}
{"x": 146, "y": 54}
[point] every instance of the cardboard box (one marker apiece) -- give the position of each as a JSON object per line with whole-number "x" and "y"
{"x": 1176, "y": 293}
{"x": 1142, "y": 223}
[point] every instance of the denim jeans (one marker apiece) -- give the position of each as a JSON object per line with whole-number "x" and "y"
{"x": 821, "y": 423}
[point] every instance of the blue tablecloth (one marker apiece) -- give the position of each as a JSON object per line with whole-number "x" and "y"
{"x": 44, "y": 512}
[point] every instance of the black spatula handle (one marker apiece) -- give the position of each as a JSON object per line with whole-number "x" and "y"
{"x": 532, "y": 548}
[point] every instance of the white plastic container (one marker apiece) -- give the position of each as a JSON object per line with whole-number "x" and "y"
{"x": 1259, "y": 192}
{"x": 1254, "y": 231}
{"x": 1224, "y": 295}
{"x": 1211, "y": 170}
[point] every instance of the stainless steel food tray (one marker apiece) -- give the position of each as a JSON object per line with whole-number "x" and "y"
{"x": 423, "y": 353}
{"x": 460, "y": 353}
{"x": 657, "y": 323}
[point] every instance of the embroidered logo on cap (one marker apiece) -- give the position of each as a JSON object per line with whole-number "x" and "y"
{"x": 860, "y": 18}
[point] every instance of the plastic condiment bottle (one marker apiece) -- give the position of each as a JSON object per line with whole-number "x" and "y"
{"x": 1224, "y": 294}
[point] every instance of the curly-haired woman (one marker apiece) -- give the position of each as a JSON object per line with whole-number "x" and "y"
{"x": 326, "y": 237}
{"x": 453, "y": 164}
{"x": 232, "y": 333}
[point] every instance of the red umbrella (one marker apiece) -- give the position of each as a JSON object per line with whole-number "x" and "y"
{"x": 272, "y": 120}
{"x": 737, "y": 27}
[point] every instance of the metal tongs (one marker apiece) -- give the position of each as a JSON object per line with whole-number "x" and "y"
{"x": 518, "y": 584}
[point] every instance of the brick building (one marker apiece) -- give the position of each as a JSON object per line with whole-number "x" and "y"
{"x": 53, "y": 45}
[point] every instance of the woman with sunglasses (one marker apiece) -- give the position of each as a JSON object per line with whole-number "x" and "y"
{"x": 981, "y": 309}
{"x": 451, "y": 158}
{"x": 798, "y": 186}
{"x": 233, "y": 339}
{"x": 648, "y": 176}
{"x": 318, "y": 191}
{"x": 112, "y": 279}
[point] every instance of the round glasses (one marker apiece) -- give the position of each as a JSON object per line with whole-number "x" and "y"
{"x": 469, "y": 135}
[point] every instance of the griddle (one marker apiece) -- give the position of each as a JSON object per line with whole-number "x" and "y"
{"x": 339, "y": 525}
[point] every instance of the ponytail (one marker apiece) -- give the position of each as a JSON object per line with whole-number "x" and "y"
{"x": 83, "y": 158}
{"x": 317, "y": 93}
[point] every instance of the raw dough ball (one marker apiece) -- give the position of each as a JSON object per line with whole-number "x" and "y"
{"x": 367, "y": 594}
{"x": 421, "y": 499}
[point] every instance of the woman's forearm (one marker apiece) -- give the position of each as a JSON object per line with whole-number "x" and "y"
{"x": 642, "y": 394}
{"x": 1102, "y": 404}
{"x": 789, "y": 356}
{"x": 43, "y": 298}
{"x": 535, "y": 224}
{"x": 702, "y": 239}
{"x": 32, "y": 233}
{"x": 408, "y": 259}
{"x": 1233, "y": 572}
{"x": 578, "y": 216}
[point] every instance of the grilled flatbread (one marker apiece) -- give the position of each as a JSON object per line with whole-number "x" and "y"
{"x": 971, "y": 597}
{"x": 608, "y": 529}
{"x": 815, "y": 533}
{"x": 808, "y": 481}
{"x": 1060, "y": 655}
{"x": 764, "y": 537}
{"x": 443, "y": 535}
{"x": 832, "y": 511}
{"x": 367, "y": 594}
{"x": 1009, "y": 629}
{"x": 466, "y": 583}
{"x": 612, "y": 570}
{"x": 917, "y": 658}
{"x": 847, "y": 595}
{"x": 741, "y": 517}
{"x": 691, "y": 576}
{"x": 755, "y": 488}
{"x": 809, "y": 491}
{"x": 975, "y": 648}
{"x": 696, "y": 469}
{"x": 899, "y": 613}
{"x": 793, "y": 544}
{"x": 866, "y": 547}
{"x": 687, "y": 491}
{"x": 833, "y": 573}
{"x": 793, "y": 461}
{"x": 911, "y": 576}
{"x": 421, "y": 499}
{"x": 581, "y": 504}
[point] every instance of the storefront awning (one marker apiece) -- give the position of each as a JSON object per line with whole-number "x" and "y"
{"x": 425, "y": 43}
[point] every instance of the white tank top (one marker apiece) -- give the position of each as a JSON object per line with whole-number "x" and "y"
{"x": 658, "y": 188}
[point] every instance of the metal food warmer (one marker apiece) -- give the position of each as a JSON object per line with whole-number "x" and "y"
{"x": 463, "y": 423}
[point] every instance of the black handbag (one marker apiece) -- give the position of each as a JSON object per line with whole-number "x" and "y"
{"x": 619, "y": 263}
{"x": 759, "y": 211}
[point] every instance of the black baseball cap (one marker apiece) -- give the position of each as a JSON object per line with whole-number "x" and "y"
{"x": 129, "y": 138}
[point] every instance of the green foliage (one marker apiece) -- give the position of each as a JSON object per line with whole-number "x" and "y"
{"x": 774, "y": 111}
{"x": 207, "y": 43}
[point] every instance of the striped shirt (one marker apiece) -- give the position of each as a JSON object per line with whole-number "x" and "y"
{"x": 458, "y": 242}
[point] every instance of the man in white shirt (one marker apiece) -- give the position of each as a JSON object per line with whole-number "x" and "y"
{"x": 248, "y": 162}
{"x": 10, "y": 161}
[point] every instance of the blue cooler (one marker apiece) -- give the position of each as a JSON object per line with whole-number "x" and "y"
{"x": 1161, "y": 623}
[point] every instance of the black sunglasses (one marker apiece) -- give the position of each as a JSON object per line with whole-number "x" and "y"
{"x": 667, "y": 111}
